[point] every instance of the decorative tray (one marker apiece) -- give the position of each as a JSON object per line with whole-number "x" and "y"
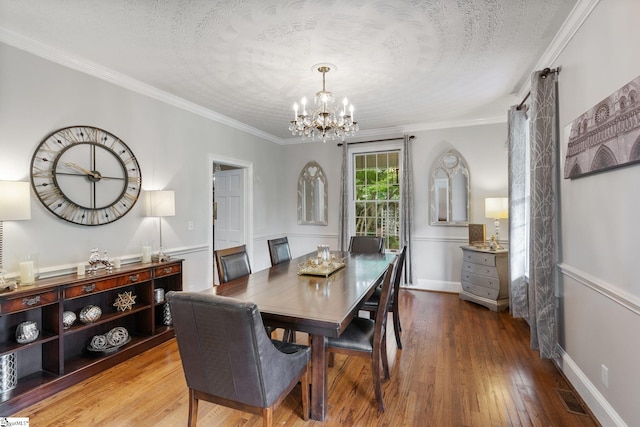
{"x": 313, "y": 267}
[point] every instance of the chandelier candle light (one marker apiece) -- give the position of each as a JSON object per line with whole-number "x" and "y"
{"x": 325, "y": 121}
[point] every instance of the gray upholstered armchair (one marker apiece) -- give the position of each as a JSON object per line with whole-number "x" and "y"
{"x": 229, "y": 360}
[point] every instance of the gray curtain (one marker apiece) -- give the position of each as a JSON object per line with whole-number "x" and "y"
{"x": 343, "y": 214}
{"x": 407, "y": 210}
{"x": 538, "y": 308}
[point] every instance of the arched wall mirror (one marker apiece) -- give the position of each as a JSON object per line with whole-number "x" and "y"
{"x": 450, "y": 190}
{"x": 312, "y": 195}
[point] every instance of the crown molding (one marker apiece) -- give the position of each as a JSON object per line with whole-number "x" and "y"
{"x": 66, "y": 59}
{"x": 570, "y": 27}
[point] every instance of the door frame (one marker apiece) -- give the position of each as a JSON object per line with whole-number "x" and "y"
{"x": 247, "y": 168}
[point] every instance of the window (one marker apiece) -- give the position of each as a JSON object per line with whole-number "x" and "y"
{"x": 377, "y": 196}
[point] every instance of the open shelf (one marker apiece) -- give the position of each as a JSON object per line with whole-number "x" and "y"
{"x": 60, "y": 357}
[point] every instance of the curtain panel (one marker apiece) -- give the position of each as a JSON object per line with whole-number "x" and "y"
{"x": 539, "y": 306}
{"x": 343, "y": 214}
{"x": 407, "y": 209}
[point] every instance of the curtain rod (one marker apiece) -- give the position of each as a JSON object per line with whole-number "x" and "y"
{"x": 375, "y": 140}
{"x": 543, "y": 75}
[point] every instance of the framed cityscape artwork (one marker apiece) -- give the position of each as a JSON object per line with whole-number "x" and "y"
{"x": 607, "y": 136}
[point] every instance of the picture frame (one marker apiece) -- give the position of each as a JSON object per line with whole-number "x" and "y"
{"x": 477, "y": 235}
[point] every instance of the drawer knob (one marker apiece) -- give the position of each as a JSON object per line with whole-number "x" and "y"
{"x": 31, "y": 301}
{"x": 134, "y": 277}
{"x": 168, "y": 270}
{"x": 89, "y": 288}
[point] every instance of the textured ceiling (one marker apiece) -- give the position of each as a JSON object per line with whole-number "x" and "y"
{"x": 403, "y": 63}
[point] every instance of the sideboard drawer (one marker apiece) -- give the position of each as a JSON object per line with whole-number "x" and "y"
{"x": 167, "y": 270}
{"x": 103, "y": 285}
{"x": 15, "y": 305}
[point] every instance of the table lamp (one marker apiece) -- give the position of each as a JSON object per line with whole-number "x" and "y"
{"x": 160, "y": 204}
{"x": 496, "y": 208}
{"x": 15, "y": 204}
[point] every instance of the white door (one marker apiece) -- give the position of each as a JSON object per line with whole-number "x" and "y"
{"x": 228, "y": 228}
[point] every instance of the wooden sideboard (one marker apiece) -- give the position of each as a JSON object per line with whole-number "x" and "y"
{"x": 61, "y": 357}
{"x": 485, "y": 277}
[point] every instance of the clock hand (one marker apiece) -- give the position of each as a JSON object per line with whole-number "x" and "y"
{"x": 81, "y": 169}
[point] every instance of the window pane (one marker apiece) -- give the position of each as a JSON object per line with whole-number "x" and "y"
{"x": 377, "y": 196}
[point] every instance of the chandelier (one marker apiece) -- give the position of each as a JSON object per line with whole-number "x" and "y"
{"x": 326, "y": 121}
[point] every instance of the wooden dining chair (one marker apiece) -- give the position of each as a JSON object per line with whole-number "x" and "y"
{"x": 366, "y": 244}
{"x": 368, "y": 338}
{"x": 279, "y": 251}
{"x": 229, "y": 360}
{"x": 232, "y": 263}
{"x": 371, "y": 305}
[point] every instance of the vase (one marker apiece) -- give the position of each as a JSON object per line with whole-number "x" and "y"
{"x": 166, "y": 315}
{"x": 8, "y": 373}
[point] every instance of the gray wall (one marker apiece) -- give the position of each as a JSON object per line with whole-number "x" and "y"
{"x": 600, "y": 293}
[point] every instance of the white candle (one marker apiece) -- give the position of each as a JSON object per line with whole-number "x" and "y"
{"x": 81, "y": 269}
{"x": 26, "y": 272}
{"x": 116, "y": 263}
{"x": 146, "y": 254}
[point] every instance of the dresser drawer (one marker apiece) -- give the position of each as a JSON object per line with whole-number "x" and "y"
{"x": 167, "y": 270}
{"x": 103, "y": 285}
{"x": 484, "y": 281}
{"x": 480, "y": 291}
{"x": 481, "y": 258}
{"x": 482, "y": 270}
{"x": 15, "y": 305}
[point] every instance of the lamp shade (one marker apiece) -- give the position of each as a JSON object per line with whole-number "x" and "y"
{"x": 496, "y": 207}
{"x": 15, "y": 201}
{"x": 160, "y": 203}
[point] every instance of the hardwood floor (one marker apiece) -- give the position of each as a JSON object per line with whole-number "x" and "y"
{"x": 462, "y": 365}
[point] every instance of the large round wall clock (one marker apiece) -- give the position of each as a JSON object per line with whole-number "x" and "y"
{"x": 85, "y": 175}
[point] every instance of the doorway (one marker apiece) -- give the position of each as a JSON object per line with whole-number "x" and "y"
{"x": 231, "y": 206}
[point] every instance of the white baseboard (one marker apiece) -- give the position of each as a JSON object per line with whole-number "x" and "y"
{"x": 599, "y": 406}
{"x": 436, "y": 285}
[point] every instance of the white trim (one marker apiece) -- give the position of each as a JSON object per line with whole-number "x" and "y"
{"x": 598, "y": 405}
{"x": 615, "y": 294}
{"x": 379, "y": 147}
{"x": 435, "y": 285}
{"x": 60, "y": 270}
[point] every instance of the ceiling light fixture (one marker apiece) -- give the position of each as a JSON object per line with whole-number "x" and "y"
{"x": 326, "y": 121}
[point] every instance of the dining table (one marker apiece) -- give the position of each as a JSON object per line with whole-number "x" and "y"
{"x": 320, "y": 306}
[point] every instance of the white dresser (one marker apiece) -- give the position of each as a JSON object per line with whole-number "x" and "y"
{"x": 485, "y": 277}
